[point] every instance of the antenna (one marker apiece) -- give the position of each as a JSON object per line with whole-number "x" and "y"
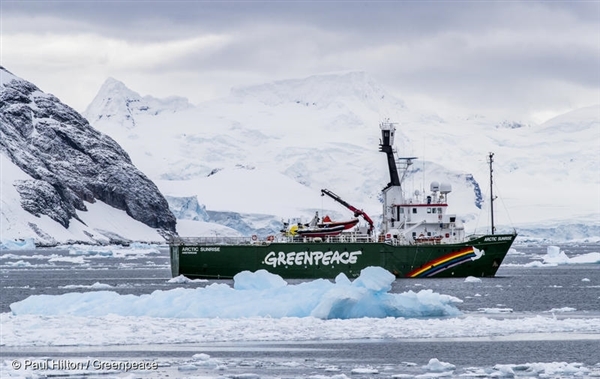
{"x": 492, "y": 198}
{"x": 423, "y": 168}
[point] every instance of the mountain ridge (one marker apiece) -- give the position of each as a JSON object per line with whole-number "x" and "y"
{"x": 122, "y": 104}
{"x": 68, "y": 165}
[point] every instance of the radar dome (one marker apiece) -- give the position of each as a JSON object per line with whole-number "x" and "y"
{"x": 434, "y": 186}
{"x": 445, "y": 188}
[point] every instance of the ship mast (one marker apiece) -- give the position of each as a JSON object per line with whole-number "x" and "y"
{"x": 387, "y": 146}
{"x": 492, "y": 198}
{"x": 392, "y": 193}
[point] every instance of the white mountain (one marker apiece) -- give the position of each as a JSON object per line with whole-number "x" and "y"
{"x": 120, "y": 105}
{"x": 63, "y": 181}
{"x": 264, "y": 152}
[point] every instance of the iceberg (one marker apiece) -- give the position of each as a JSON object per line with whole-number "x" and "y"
{"x": 255, "y": 294}
{"x": 554, "y": 256}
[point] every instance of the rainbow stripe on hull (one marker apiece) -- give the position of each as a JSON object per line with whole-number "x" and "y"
{"x": 443, "y": 263}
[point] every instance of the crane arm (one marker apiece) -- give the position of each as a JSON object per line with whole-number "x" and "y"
{"x": 357, "y": 212}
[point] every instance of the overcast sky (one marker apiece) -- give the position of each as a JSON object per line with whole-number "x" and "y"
{"x": 523, "y": 59}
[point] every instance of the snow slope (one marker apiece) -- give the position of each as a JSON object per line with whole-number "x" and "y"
{"x": 100, "y": 222}
{"x": 322, "y": 132}
{"x": 62, "y": 181}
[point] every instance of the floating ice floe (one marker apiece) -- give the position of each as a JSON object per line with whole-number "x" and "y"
{"x": 183, "y": 279}
{"x": 111, "y": 330}
{"x": 435, "y": 365}
{"x": 25, "y": 244}
{"x": 536, "y": 264}
{"x": 495, "y": 310}
{"x": 74, "y": 260}
{"x": 563, "y": 309}
{"x": 553, "y": 369}
{"x": 133, "y": 250}
{"x": 19, "y": 263}
{"x": 554, "y": 256}
{"x": 95, "y": 286}
{"x": 503, "y": 371}
{"x": 364, "y": 371}
{"x": 256, "y": 294}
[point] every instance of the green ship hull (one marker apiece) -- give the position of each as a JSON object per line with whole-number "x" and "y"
{"x": 479, "y": 256}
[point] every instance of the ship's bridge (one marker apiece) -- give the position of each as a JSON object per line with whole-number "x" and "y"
{"x": 430, "y": 209}
{"x": 430, "y": 213}
{"x": 424, "y": 219}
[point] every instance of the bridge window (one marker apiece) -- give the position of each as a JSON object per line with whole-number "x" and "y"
{"x": 434, "y": 210}
{"x": 415, "y": 210}
{"x": 429, "y": 210}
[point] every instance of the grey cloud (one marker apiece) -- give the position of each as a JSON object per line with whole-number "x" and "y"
{"x": 386, "y": 19}
{"x": 492, "y": 52}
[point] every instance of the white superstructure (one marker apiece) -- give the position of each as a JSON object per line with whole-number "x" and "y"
{"x": 417, "y": 218}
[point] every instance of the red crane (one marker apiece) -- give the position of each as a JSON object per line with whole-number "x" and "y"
{"x": 357, "y": 212}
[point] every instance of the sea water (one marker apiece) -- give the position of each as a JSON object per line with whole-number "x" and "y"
{"x": 508, "y": 325}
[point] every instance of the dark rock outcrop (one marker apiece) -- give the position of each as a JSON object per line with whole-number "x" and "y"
{"x": 70, "y": 162}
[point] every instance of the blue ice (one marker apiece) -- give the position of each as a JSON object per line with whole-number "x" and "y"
{"x": 25, "y": 244}
{"x": 256, "y": 294}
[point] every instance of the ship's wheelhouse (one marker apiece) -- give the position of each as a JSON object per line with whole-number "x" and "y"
{"x": 421, "y": 219}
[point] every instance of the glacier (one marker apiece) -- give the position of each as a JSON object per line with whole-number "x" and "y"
{"x": 321, "y": 132}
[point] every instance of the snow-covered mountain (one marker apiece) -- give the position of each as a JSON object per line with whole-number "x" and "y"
{"x": 264, "y": 152}
{"x": 64, "y": 181}
{"x": 241, "y": 164}
{"x": 120, "y": 105}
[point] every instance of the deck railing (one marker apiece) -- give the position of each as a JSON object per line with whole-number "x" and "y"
{"x": 217, "y": 240}
{"x": 256, "y": 240}
{"x": 341, "y": 238}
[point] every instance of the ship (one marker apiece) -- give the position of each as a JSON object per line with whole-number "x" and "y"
{"x": 418, "y": 238}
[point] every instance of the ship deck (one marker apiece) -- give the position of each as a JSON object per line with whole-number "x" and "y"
{"x": 263, "y": 241}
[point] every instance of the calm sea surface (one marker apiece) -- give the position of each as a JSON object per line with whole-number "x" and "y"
{"x": 517, "y": 289}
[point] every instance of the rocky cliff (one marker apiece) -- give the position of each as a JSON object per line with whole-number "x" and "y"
{"x": 70, "y": 163}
